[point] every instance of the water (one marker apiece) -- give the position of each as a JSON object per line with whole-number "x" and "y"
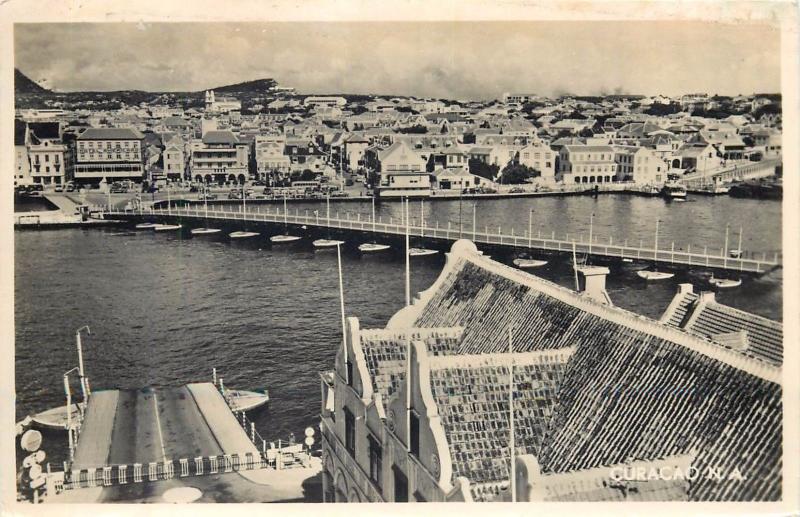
{"x": 165, "y": 309}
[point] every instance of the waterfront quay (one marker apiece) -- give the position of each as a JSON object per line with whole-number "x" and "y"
{"x": 440, "y": 236}
{"x": 179, "y": 444}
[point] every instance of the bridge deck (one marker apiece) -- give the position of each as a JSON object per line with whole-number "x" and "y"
{"x": 712, "y": 259}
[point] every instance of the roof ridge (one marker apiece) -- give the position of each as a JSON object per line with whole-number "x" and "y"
{"x": 707, "y": 347}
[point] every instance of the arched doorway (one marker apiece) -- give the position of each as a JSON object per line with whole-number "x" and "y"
{"x": 208, "y": 178}
{"x": 241, "y": 179}
{"x": 676, "y": 163}
{"x": 577, "y": 179}
{"x": 198, "y": 178}
{"x": 231, "y": 178}
{"x": 591, "y": 179}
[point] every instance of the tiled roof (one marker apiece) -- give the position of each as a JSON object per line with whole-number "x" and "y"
{"x": 472, "y": 398}
{"x": 750, "y": 334}
{"x": 634, "y": 389}
{"x": 385, "y": 353}
{"x": 111, "y": 133}
{"x": 220, "y": 137}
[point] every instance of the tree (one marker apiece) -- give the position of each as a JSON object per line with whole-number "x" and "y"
{"x": 480, "y": 168}
{"x": 307, "y": 175}
{"x": 659, "y": 109}
{"x": 516, "y": 173}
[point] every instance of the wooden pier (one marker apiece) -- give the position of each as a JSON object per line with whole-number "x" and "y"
{"x": 442, "y": 235}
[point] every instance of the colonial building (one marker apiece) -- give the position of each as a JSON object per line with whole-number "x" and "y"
{"x": 403, "y": 172}
{"x": 540, "y": 157}
{"x": 174, "y": 158}
{"x": 216, "y": 104}
{"x": 219, "y": 157}
{"x": 111, "y": 153}
{"x": 270, "y": 156}
{"x": 492, "y": 365}
{"x": 587, "y": 164}
{"x": 49, "y": 156}
{"x": 640, "y": 165}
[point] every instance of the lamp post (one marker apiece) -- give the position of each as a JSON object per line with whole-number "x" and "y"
{"x": 81, "y": 372}
{"x": 530, "y": 227}
{"x": 69, "y": 414}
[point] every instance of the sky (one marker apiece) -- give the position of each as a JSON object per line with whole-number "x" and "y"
{"x": 465, "y": 60}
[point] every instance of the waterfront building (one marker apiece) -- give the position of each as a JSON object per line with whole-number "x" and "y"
{"x": 587, "y": 164}
{"x": 700, "y": 158}
{"x": 640, "y": 165}
{"x": 458, "y": 179}
{"x": 49, "y": 156}
{"x": 22, "y": 172}
{"x": 421, "y": 410}
{"x": 270, "y": 156}
{"x": 219, "y": 157}
{"x": 354, "y": 147}
{"x": 216, "y": 104}
{"x": 111, "y": 153}
{"x": 539, "y": 156}
{"x": 174, "y": 158}
{"x": 403, "y": 172}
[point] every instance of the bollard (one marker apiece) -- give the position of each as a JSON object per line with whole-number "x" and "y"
{"x": 137, "y": 472}
{"x": 90, "y": 477}
{"x": 226, "y": 462}
{"x": 212, "y": 468}
{"x": 152, "y": 472}
{"x": 106, "y": 476}
{"x": 198, "y": 465}
{"x": 122, "y": 469}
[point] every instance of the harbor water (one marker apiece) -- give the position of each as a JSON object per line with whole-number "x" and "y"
{"x": 164, "y": 309}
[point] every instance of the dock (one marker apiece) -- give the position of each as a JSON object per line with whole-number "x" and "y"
{"x": 441, "y": 236}
{"x": 141, "y": 445}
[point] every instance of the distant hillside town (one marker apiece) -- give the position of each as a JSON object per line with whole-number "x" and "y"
{"x": 397, "y": 146}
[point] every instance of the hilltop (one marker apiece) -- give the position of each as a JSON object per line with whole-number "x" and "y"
{"x": 258, "y": 86}
{"x": 24, "y": 84}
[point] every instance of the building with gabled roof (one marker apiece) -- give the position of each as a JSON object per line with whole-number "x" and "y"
{"x": 113, "y": 153}
{"x": 421, "y": 410}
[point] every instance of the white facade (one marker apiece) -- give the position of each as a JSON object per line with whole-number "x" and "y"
{"x": 111, "y": 153}
{"x": 541, "y": 157}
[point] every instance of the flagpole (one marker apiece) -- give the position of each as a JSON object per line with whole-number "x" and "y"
{"x": 341, "y": 306}
{"x": 408, "y": 260}
{"x": 512, "y": 480}
{"x": 575, "y": 267}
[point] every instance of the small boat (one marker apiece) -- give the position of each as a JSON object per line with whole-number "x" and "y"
{"x": 327, "y": 243}
{"x": 654, "y": 275}
{"x": 205, "y": 231}
{"x": 146, "y": 226}
{"x": 167, "y": 227}
{"x": 524, "y": 263}
{"x": 421, "y": 252}
{"x": 123, "y": 234}
{"x": 243, "y": 400}
{"x": 242, "y": 234}
{"x": 679, "y": 199}
{"x": 735, "y": 253}
{"x": 56, "y": 418}
{"x": 673, "y": 190}
{"x": 284, "y": 239}
{"x": 724, "y": 283}
{"x": 371, "y": 247}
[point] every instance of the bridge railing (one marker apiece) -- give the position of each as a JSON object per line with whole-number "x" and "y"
{"x": 708, "y": 257}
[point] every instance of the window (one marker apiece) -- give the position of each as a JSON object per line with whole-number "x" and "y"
{"x": 413, "y": 419}
{"x": 400, "y": 486}
{"x": 348, "y": 371}
{"x": 47, "y": 158}
{"x": 349, "y": 431}
{"x": 375, "y": 461}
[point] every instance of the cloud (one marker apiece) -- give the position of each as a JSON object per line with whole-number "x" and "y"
{"x": 443, "y": 60}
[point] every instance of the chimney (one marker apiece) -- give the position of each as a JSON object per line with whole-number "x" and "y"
{"x": 593, "y": 283}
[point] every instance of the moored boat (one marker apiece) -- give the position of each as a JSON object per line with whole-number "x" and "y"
{"x": 673, "y": 190}
{"x": 327, "y": 243}
{"x": 371, "y": 247}
{"x": 146, "y": 226}
{"x": 243, "y": 400}
{"x": 55, "y": 418}
{"x": 654, "y": 275}
{"x": 167, "y": 227}
{"x": 524, "y": 263}
{"x": 242, "y": 234}
{"x": 284, "y": 239}
{"x": 205, "y": 231}
{"x": 724, "y": 283}
{"x": 421, "y": 252}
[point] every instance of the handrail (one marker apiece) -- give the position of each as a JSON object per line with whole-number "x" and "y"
{"x": 451, "y": 233}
